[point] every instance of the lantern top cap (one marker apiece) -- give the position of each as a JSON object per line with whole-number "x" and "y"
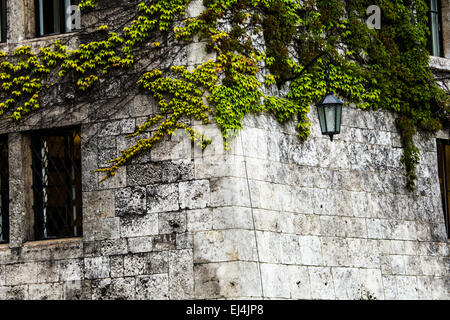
{"x": 330, "y": 99}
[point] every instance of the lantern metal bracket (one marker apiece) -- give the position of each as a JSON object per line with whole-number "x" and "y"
{"x": 329, "y": 108}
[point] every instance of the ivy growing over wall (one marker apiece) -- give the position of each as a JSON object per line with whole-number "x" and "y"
{"x": 260, "y": 48}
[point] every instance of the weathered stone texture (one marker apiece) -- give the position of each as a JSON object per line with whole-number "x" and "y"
{"x": 270, "y": 218}
{"x": 290, "y": 223}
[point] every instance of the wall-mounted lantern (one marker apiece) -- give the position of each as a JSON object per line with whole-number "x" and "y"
{"x": 330, "y": 115}
{"x": 329, "y": 108}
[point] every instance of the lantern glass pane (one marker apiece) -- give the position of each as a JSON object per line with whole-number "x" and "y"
{"x": 330, "y": 115}
{"x": 338, "y": 118}
{"x": 321, "y": 118}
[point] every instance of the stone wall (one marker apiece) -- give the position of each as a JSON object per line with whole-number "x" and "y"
{"x": 332, "y": 220}
{"x": 271, "y": 218}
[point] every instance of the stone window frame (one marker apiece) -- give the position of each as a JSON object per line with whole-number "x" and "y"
{"x": 22, "y": 24}
{"x": 4, "y": 190}
{"x": 21, "y": 212}
{"x": 444, "y": 172}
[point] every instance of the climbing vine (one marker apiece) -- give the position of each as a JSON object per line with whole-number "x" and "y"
{"x": 261, "y": 48}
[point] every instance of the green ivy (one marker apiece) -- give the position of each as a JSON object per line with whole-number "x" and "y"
{"x": 86, "y": 4}
{"x": 306, "y": 43}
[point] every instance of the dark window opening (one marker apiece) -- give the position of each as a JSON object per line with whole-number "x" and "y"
{"x": 3, "y": 21}
{"x": 57, "y": 184}
{"x": 4, "y": 190}
{"x": 54, "y": 16}
{"x": 444, "y": 178}
{"x": 435, "y": 40}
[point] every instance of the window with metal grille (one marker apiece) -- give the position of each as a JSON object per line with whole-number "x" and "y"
{"x": 4, "y": 190}
{"x": 2, "y": 20}
{"x": 57, "y": 184}
{"x": 435, "y": 46}
{"x": 444, "y": 178}
{"x": 54, "y": 16}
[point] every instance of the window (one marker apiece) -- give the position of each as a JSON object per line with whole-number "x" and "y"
{"x": 2, "y": 20}
{"x": 444, "y": 178}
{"x": 4, "y": 193}
{"x": 56, "y": 163}
{"x": 435, "y": 24}
{"x": 55, "y": 16}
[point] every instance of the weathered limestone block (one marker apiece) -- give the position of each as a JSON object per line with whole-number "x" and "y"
{"x": 114, "y": 289}
{"x": 229, "y": 192}
{"x": 307, "y": 224}
{"x": 18, "y": 274}
{"x": 142, "y": 105}
{"x": 155, "y": 287}
{"x": 363, "y": 253}
{"x": 232, "y": 218}
{"x": 145, "y": 174}
{"x": 140, "y": 244}
{"x": 2, "y": 276}
{"x": 224, "y": 245}
{"x": 99, "y": 204}
{"x": 347, "y": 283}
{"x": 131, "y": 201}
{"x": 101, "y": 229}
{"x": 184, "y": 241}
{"x": 56, "y": 250}
{"x": 139, "y": 226}
{"x": 71, "y": 270}
{"x": 46, "y": 291}
{"x": 199, "y": 220}
{"x": 275, "y": 278}
{"x": 116, "y": 265}
{"x": 162, "y": 198}
{"x": 311, "y": 251}
{"x": 398, "y": 266}
{"x": 285, "y": 248}
{"x": 177, "y": 170}
{"x": 177, "y": 147}
{"x": 117, "y": 127}
{"x": 371, "y": 282}
{"x": 196, "y": 54}
{"x": 181, "y": 274}
{"x": 413, "y": 265}
{"x": 217, "y": 166}
{"x": 299, "y": 282}
{"x": 172, "y": 222}
{"x": 136, "y": 264}
{"x": 97, "y": 268}
{"x": 335, "y": 251}
{"x": 114, "y": 247}
{"x": 407, "y": 288}
{"x": 105, "y": 155}
{"x": 322, "y": 286}
{"x": 164, "y": 242}
{"x": 343, "y": 226}
{"x": 119, "y": 181}
{"x": 227, "y": 279}
{"x": 194, "y": 194}
{"x": 14, "y": 293}
{"x": 77, "y": 290}
{"x": 266, "y": 220}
